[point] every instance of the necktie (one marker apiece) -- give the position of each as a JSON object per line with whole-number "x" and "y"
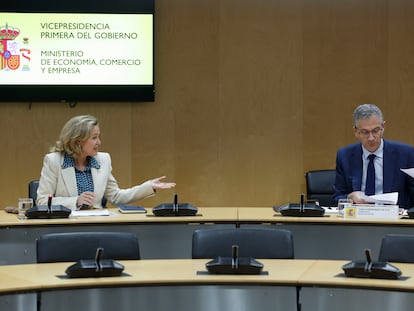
{"x": 370, "y": 183}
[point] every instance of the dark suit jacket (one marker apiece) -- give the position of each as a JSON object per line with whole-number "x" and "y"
{"x": 396, "y": 156}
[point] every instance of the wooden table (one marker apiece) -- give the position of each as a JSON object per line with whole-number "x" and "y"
{"x": 152, "y": 285}
{"x": 324, "y": 288}
{"x": 330, "y": 236}
{"x": 183, "y": 284}
{"x": 159, "y": 237}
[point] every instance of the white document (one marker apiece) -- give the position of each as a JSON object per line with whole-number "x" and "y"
{"x": 408, "y": 171}
{"x": 91, "y": 212}
{"x": 331, "y": 209}
{"x": 385, "y": 198}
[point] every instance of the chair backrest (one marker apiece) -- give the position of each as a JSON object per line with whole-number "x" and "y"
{"x": 319, "y": 186}
{"x": 74, "y": 246}
{"x": 397, "y": 248}
{"x": 266, "y": 243}
{"x": 33, "y": 185}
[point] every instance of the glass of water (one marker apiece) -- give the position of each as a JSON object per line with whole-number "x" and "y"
{"x": 23, "y": 205}
{"x": 342, "y": 203}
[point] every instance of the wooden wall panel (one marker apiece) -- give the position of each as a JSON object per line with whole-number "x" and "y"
{"x": 345, "y": 53}
{"x": 249, "y": 95}
{"x": 260, "y": 95}
{"x": 400, "y": 68}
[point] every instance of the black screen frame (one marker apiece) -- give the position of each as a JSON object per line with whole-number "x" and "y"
{"x": 76, "y": 93}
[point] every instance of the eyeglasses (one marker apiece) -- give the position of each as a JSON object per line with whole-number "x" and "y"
{"x": 375, "y": 132}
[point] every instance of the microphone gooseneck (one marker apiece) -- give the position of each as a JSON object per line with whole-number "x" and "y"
{"x": 235, "y": 257}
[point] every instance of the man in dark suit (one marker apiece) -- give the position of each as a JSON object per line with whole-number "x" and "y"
{"x": 353, "y": 179}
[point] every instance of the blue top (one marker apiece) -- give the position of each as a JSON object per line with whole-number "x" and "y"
{"x": 84, "y": 180}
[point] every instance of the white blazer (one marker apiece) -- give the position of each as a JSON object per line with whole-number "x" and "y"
{"x": 61, "y": 183}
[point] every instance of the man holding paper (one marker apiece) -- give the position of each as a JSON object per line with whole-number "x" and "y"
{"x": 373, "y": 165}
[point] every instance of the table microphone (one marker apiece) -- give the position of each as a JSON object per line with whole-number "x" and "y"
{"x": 175, "y": 205}
{"x": 235, "y": 257}
{"x": 98, "y": 257}
{"x": 302, "y": 203}
{"x": 368, "y": 264}
{"x": 49, "y": 204}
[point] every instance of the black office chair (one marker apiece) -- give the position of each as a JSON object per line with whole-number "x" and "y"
{"x": 319, "y": 186}
{"x": 397, "y": 248}
{"x": 34, "y": 184}
{"x": 265, "y": 243}
{"x": 74, "y": 246}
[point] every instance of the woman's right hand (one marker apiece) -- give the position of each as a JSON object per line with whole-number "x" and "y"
{"x": 85, "y": 199}
{"x": 357, "y": 197}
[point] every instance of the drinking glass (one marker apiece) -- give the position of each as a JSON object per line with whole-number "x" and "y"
{"x": 23, "y": 205}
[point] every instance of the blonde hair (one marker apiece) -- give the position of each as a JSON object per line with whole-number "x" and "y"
{"x": 76, "y": 130}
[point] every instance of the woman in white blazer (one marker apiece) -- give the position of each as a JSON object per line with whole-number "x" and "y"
{"x": 77, "y": 175}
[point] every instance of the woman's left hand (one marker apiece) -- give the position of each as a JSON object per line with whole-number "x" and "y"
{"x": 157, "y": 183}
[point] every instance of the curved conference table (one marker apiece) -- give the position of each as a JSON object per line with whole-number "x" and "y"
{"x": 184, "y": 284}
{"x": 327, "y": 237}
{"x": 330, "y": 236}
{"x": 159, "y": 237}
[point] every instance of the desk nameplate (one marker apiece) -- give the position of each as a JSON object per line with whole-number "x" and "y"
{"x": 371, "y": 211}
